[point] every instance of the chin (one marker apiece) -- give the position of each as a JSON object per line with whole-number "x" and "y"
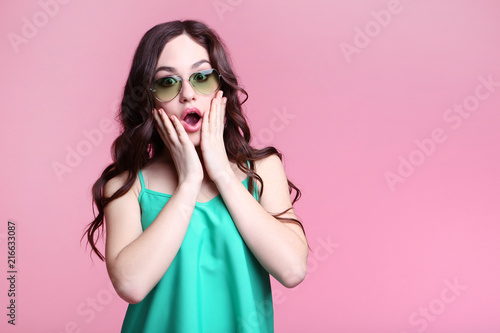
{"x": 195, "y": 138}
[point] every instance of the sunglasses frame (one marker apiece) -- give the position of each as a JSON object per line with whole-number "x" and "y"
{"x": 181, "y": 80}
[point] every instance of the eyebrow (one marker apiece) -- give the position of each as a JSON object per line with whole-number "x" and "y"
{"x": 173, "y": 70}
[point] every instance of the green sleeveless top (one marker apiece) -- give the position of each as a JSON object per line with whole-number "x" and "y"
{"x": 214, "y": 284}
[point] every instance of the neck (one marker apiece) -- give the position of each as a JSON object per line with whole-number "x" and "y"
{"x": 165, "y": 156}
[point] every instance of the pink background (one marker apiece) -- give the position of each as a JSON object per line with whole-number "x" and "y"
{"x": 351, "y": 92}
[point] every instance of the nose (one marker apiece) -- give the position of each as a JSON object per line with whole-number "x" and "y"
{"x": 187, "y": 92}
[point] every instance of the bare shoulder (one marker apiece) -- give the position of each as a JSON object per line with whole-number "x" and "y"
{"x": 269, "y": 164}
{"x": 275, "y": 196}
{"x": 271, "y": 168}
{"x": 122, "y": 216}
{"x": 115, "y": 183}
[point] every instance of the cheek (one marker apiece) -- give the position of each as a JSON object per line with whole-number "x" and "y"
{"x": 159, "y": 105}
{"x": 167, "y": 107}
{"x": 207, "y": 101}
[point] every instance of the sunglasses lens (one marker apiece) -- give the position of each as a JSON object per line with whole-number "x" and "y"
{"x": 165, "y": 89}
{"x": 205, "y": 82}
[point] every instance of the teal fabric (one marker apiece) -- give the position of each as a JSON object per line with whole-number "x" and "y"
{"x": 214, "y": 284}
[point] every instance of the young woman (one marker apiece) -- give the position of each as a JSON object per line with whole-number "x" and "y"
{"x": 196, "y": 219}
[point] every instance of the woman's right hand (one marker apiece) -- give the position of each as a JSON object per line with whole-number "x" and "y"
{"x": 186, "y": 160}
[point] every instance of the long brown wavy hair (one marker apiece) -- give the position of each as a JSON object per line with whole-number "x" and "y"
{"x": 139, "y": 142}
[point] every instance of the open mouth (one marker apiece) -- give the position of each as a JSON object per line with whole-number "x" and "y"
{"x": 192, "y": 118}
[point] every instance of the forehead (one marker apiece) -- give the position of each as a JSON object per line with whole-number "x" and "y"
{"x": 181, "y": 53}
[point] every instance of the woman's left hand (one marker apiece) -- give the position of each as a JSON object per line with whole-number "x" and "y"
{"x": 212, "y": 141}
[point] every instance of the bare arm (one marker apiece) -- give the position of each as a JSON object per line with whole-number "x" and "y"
{"x": 280, "y": 247}
{"x": 137, "y": 260}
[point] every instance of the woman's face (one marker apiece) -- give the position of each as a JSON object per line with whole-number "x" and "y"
{"x": 182, "y": 56}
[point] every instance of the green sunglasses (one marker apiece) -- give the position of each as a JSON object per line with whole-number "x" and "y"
{"x": 205, "y": 82}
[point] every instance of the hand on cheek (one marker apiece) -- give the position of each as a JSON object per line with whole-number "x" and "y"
{"x": 212, "y": 141}
{"x": 175, "y": 138}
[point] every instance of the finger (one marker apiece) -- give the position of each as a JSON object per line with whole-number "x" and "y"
{"x": 179, "y": 129}
{"x": 222, "y": 119}
{"x": 159, "y": 124}
{"x": 214, "y": 112}
{"x": 169, "y": 127}
{"x": 221, "y": 108}
{"x": 205, "y": 131}
{"x": 210, "y": 115}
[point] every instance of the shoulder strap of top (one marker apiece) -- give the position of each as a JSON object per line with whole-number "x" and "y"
{"x": 141, "y": 178}
{"x": 255, "y": 188}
